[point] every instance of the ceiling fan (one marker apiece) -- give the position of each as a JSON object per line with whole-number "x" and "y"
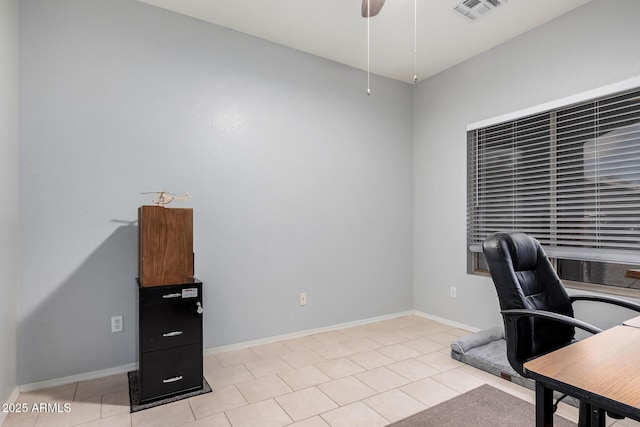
{"x": 375, "y": 5}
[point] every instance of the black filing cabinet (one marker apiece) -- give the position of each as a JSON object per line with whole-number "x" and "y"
{"x": 170, "y": 322}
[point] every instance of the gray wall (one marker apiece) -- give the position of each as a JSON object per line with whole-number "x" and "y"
{"x": 8, "y": 195}
{"x": 590, "y": 47}
{"x": 300, "y": 182}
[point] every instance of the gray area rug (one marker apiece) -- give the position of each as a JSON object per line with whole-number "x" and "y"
{"x": 484, "y": 406}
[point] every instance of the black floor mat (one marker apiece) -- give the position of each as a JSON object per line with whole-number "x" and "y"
{"x": 134, "y": 398}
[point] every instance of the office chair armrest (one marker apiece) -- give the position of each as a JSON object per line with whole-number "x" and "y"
{"x": 609, "y": 300}
{"x": 522, "y": 312}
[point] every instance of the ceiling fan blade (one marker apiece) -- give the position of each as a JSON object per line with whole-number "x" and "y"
{"x": 376, "y": 5}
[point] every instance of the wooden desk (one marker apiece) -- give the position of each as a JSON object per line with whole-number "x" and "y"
{"x": 602, "y": 370}
{"x": 633, "y": 274}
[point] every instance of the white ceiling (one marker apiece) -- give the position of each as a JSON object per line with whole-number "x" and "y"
{"x": 334, "y": 29}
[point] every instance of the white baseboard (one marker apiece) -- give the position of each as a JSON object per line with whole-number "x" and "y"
{"x": 24, "y": 388}
{"x": 446, "y": 321}
{"x": 231, "y": 347}
{"x": 269, "y": 340}
{"x": 12, "y": 398}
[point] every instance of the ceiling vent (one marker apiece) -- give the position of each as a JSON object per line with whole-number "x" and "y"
{"x": 474, "y": 9}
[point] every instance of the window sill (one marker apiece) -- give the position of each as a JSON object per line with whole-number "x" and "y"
{"x": 603, "y": 289}
{"x": 589, "y": 287}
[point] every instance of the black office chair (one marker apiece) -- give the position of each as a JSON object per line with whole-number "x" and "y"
{"x": 536, "y": 309}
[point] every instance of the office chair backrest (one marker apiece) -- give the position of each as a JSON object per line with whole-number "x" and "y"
{"x": 525, "y": 279}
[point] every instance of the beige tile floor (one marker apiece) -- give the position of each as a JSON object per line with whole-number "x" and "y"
{"x": 368, "y": 375}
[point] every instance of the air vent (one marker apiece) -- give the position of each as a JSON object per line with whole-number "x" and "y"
{"x": 474, "y": 9}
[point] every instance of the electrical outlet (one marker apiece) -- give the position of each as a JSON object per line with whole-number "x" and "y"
{"x": 303, "y": 298}
{"x": 452, "y": 292}
{"x": 116, "y": 324}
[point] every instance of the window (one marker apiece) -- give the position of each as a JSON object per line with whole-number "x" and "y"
{"x": 568, "y": 176}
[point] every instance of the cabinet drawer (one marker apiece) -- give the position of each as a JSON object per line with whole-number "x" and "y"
{"x": 167, "y": 372}
{"x": 169, "y": 325}
{"x": 170, "y": 294}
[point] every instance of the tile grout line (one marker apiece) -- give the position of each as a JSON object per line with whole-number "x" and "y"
{"x": 407, "y": 336}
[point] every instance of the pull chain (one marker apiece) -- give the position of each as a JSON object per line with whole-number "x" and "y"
{"x": 368, "y": 47}
{"x": 415, "y": 41}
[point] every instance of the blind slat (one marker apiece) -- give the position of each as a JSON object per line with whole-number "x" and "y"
{"x": 569, "y": 176}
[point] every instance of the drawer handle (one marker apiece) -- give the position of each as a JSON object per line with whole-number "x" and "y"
{"x": 172, "y": 380}
{"x": 176, "y": 295}
{"x": 172, "y": 334}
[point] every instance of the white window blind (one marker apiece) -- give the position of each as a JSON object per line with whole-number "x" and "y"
{"x": 569, "y": 177}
